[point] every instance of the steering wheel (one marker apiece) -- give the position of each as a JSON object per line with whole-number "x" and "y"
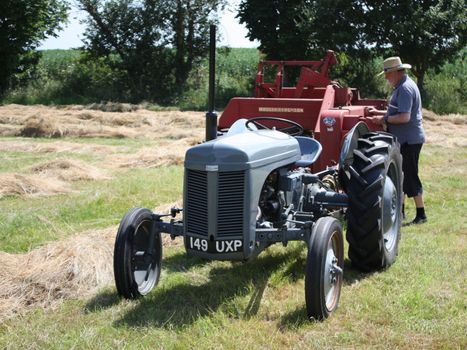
{"x": 293, "y": 128}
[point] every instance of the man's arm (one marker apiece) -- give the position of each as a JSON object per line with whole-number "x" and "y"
{"x": 399, "y": 118}
{"x": 378, "y": 117}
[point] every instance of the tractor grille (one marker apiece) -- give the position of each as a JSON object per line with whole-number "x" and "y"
{"x": 230, "y": 203}
{"x": 197, "y": 198}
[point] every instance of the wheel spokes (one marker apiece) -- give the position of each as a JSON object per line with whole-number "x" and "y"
{"x": 147, "y": 272}
{"x": 137, "y": 254}
{"x": 389, "y": 219}
{"x": 144, "y": 259}
{"x": 332, "y": 276}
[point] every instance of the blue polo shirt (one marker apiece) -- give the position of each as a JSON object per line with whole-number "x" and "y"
{"x": 406, "y": 98}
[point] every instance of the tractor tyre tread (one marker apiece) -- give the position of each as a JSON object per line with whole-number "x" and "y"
{"x": 365, "y": 186}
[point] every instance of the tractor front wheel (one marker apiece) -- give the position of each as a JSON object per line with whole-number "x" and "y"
{"x": 137, "y": 254}
{"x": 324, "y": 268}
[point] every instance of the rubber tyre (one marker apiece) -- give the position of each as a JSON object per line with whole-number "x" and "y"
{"x": 374, "y": 187}
{"x": 137, "y": 267}
{"x": 324, "y": 268}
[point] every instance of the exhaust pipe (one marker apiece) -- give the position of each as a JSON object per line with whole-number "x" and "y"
{"x": 211, "y": 115}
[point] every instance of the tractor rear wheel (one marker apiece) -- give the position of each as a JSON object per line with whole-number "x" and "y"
{"x": 137, "y": 254}
{"x": 324, "y": 268}
{"x": 374, "y": 185}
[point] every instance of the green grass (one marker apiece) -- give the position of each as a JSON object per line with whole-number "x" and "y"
{"x": 26, "y": 223}
{"x": 418, "y": 303}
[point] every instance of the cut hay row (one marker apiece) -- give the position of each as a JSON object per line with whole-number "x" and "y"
{"x": 48, "y": 178}
{"x": 79, "y": 121}
{"x": 51, "y": 177}
{"x": 458, "y": 119}
{"x": 37, "y": 126}
{"x": 32, "y": 146}
{"x": 448, "y": 135}
{"x": 44, "y": 121}
{"x": 45, "y": 126}
{"x": 69, "y": 170}
{"x": 60, "y": 270}
{"x": 148, "y": 158}
{"x": 72, "y": 268}
{"x": 164, "y": 154}
{"x": 30, "y": 186}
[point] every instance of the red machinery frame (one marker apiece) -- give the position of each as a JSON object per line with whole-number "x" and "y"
{"x": 326, "y": 110}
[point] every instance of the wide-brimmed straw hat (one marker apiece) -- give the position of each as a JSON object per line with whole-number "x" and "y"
{"x": 392, "y": 64}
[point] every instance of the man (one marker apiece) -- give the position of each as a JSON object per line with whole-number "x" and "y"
{"x": 403, "y": 119}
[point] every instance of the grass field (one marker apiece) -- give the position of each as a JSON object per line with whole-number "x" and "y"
{"x": 135, "y": 159}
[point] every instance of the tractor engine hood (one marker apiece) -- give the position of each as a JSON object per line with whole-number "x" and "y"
{"x": 242, "y": 151}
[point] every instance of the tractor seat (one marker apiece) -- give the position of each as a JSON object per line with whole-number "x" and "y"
{"x": 310, "y": 150}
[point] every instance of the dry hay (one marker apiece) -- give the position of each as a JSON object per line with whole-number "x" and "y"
{"x": 49, "y": 178}
{"x": 458, "y": 119}
{"x": 429, "y": 115}
{"x": 69, "y": 170}
{"x": 445, "y": 134}
{"x": 39, "y": 126}
{"x": 149, "y": 158}
{"x": 26, "y": 185}
{"x": 59, "y": 147}
{"x": 45, "y": 121}
{"x": 113, "y": 107}
{"x": 134, "y": 121}
{"x": 60, "y": 270}
{"x": 166, "y": 153}
{"x": 76, "y": 267}
{"x": 8, "y": 130}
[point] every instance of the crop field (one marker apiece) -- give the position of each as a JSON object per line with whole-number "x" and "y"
{"x": 69, "y": 174}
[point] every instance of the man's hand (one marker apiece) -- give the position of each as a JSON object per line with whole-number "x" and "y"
{"x": 371, "y": 111}
{"x": 375, "y": 115}
{"x": 376, "y": 119}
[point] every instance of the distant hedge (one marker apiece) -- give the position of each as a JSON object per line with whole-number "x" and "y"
{"x": 64, "y": 77}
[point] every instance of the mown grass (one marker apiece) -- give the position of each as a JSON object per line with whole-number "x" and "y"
{"x": 27, "y": 222}
{"x": 418, "y": 303}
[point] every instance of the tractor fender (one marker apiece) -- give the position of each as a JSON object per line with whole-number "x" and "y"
{"x": 349, "y": 143}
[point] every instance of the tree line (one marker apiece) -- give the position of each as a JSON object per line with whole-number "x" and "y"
{"x": 146, "y": 50}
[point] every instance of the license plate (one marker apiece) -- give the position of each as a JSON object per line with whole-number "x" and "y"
{"x": 215, "y": 247}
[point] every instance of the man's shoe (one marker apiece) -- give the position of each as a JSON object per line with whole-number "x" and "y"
{"x": 418, "y": 220}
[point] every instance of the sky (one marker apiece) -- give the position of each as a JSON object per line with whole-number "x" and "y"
{"x": 232, "y": 32}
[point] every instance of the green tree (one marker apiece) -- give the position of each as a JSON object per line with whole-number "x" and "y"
{"x": 23, "y": 25}
{"x": 339, "y": 25}
{"x": 306, "y": 29}
{"x": 274, "y": 24}
{"x": 155, "y": 42}
{"x": 425, "y": 34}
{"x": 294, "y": 29}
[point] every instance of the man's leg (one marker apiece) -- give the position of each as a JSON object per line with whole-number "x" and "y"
{"x": 420, "y": 218}
{"x": 412, "y": 184}
{"x": 419, "y": 201}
